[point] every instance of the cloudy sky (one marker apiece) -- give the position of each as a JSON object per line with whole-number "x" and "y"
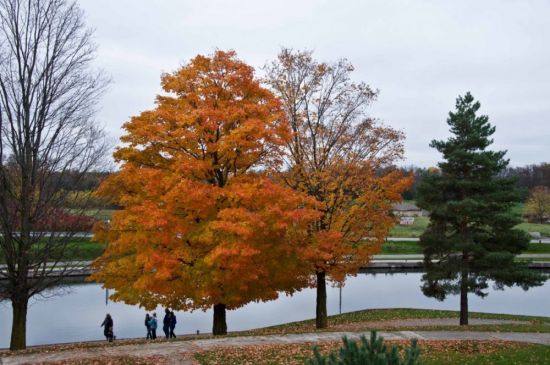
{"x": 420, "y": 54}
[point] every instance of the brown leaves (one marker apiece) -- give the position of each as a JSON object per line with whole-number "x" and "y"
{"x": 436, "y": 352}
{"x": 109, "y": 360}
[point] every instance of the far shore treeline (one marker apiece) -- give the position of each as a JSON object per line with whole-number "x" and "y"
{"x": 527, "y": 177}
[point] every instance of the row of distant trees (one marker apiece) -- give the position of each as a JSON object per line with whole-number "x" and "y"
{"x": 527, "y": 178}
{"x": 532, "y": 182}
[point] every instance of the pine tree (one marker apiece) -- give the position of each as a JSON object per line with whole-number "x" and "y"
{"x": 365, "y": 352}
{"x": 471, "y": 239}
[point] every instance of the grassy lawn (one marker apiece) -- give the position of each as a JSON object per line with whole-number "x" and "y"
{"x": 101, "y": 214}
{"x": 544, "y": 229}
{"x": 81, "y": 249}
{"x": 89, "y": 250}
{"x": 86, "y": 250}
{"x": 354, "y": 320}
{"x": 432, "y": 353}
{"x": 403, "y": 248}
{"x": 420, "y": 224}
{"x": 413, "y": 230}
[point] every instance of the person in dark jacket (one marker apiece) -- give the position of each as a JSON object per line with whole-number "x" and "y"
{"x": 148, "y": 326}
{"x": 153, "y": 325}
{"x": 166, "y": 323}
{"x": 172, "y": 324}
{"x": 108, "y": 328}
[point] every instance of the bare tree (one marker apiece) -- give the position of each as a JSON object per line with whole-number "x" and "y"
{"x": 48, "y": 97}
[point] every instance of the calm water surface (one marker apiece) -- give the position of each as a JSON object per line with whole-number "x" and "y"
{"x": 77, "y": 315}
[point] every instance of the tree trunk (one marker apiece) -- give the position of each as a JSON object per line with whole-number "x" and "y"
{"x": 464, "y": 299}
{"x": 19, "y": 325}
{"x": 220, "y": 325}
{"x": 321, "y": 309}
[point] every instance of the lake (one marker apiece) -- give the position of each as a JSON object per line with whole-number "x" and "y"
{"x": 77, "y": 315}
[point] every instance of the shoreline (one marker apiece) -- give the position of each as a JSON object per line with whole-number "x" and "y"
{"x": 500, "y": 318}
{"x": 379, "y": 263}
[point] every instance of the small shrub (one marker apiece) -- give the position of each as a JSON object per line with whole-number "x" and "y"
{"x": 372, "y": 352}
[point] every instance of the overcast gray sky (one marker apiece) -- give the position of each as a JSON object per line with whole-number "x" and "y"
{"x": 420, "y": 54}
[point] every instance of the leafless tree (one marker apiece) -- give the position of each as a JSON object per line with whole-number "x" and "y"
{"x": 48, "y": 98}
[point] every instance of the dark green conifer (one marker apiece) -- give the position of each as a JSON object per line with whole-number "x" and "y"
{"x": 471, "y": 239}
{"x": 365, "y": 352}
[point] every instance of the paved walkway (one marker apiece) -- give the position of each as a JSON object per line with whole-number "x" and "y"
{"x": 420, "y": 257}
{"x": 402, "y": 239}
{"x": 416, "y": 239}
{"x": 180, "y": 352}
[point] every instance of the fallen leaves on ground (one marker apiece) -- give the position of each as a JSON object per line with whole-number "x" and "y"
{"x": 109, "y": 360}
{"x": 294, "y": 354}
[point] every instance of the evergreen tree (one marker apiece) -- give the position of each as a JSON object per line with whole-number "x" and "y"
{"x": 365, "y": 352}
{"x": 471, "y": 238}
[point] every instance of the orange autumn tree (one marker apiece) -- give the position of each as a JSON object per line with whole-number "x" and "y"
{"x": 201, "y": 225}
{"x": 340, "y": 157}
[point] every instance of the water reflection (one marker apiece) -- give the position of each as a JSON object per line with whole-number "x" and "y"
{"x": 77, "y": 315}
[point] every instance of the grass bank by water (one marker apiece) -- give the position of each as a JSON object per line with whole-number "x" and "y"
{"x": 356, "y": 319}
{"x": 84, "y": 249}
{"x": 406, "y": 247}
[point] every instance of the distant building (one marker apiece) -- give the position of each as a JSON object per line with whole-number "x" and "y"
{"x": 406, "y": 221}
{"x": 405, "y": 209}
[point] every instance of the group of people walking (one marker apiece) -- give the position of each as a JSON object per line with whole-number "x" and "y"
{"x": 168, "y": 325}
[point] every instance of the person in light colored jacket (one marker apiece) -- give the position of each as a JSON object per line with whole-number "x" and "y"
{"x": 153, "y": 326}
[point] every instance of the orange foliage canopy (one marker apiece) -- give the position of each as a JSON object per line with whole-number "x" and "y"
{"x": 339, "y": 156}
{"x": 201, "y": 225}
